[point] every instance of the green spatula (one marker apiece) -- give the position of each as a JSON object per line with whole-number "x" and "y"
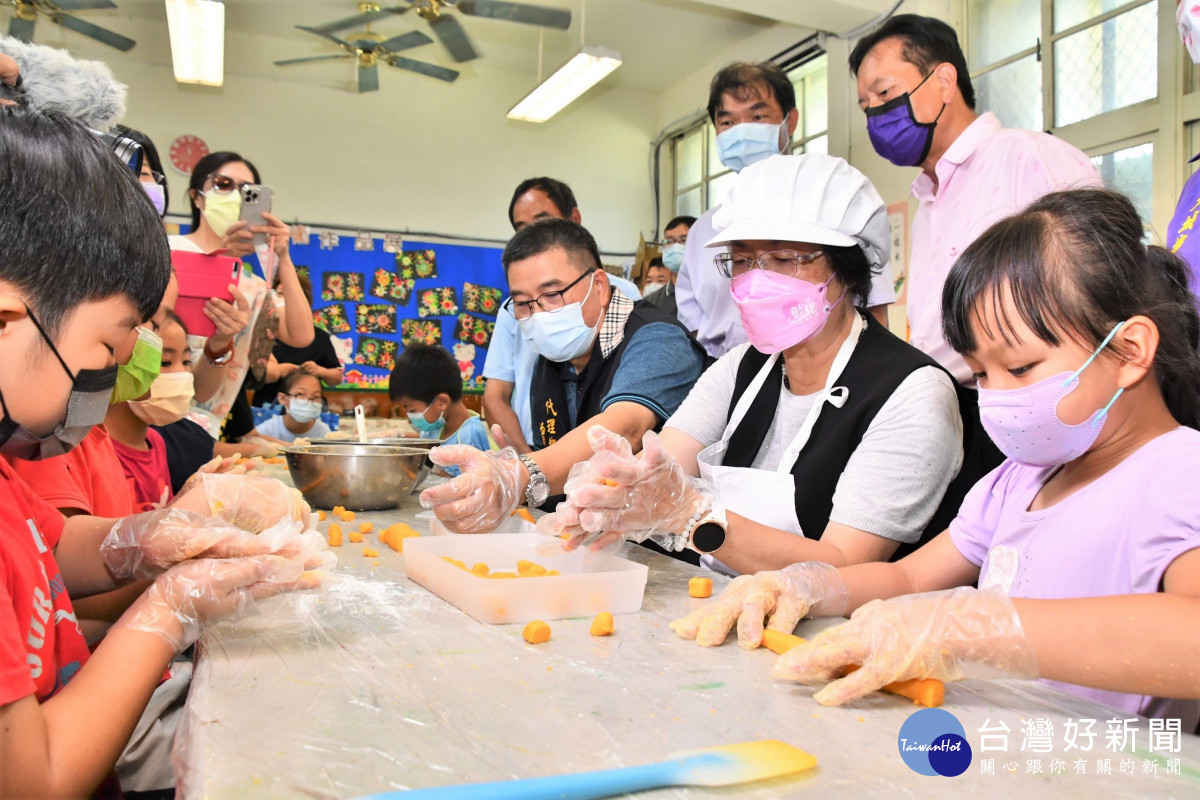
{"x": 713, "y": 766}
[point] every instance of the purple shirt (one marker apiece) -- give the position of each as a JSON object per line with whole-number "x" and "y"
{"x": 987, "y": 174}
{"x": 1183, "y": 234}
{"x": 1115, "y": 536}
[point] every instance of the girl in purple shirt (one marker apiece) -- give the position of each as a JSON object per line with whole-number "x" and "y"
{"x": 1084, "y": 344}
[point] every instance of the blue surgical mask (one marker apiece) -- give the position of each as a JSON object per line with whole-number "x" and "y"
{"x": 424, "y": 426}
{"x": 304, "y": 410}
{"x": 749, "y": 142}
{"x": 560, "y": 335}
{"x": 672, "y": 256}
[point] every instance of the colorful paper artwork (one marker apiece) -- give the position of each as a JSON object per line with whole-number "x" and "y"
{"x": 412, "y": 264}
{"x": 332, "y": 319}
{"x": 343, "y": 286}
{"x": 418, "y": 331}
{"x": 440, "y": 301}
{"x": 372, "y": 318}
{"x": 387, "y": 286}
{"x": 481, "y": 299}
{"x": 473, "y": 330}
{"x": 375, "y": 352}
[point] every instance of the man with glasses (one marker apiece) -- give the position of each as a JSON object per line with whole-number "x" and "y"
{"x": 510, "y": 360}
{"x": 603, "y": 359}
{"x": 662, "y": 271}
{"x": 919, "y": 103}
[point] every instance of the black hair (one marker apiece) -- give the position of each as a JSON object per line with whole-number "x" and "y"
{"x": 150, "y": 153}
{"x": 742, "y": 79}
{"x": 547, "y": 234}
{"x": 207, "y": 166}
{"x": 422, "y": 372}
{"x": 853, "y": 271}
{"x": 175, "y": 319}
{"x": 681, "y": 220}
{"x": 926, "y": 42}
{"x": 558, "y": 192}
{"x": 656, "y": 262}
{"x": 75, "y": 226}
{"x": 1075, "y": 265}
{"x": 296, "y": 377}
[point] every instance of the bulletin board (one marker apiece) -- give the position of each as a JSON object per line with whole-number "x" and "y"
{"x": 376, "y": 296}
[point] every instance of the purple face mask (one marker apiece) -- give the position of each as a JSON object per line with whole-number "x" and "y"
{"x": 1025, "y": 425}
{"x": 895, "y": 133}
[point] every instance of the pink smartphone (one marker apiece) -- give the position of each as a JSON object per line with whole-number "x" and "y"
{"x": 202, "y": 277}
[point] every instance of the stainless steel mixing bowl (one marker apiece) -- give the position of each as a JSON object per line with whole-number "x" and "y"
{"x": 360, "y": 477}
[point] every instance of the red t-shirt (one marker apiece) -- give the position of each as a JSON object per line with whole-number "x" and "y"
{"x": 146, "y": 470}
{"x": 41, "y": 647}
{"x": 90, "y": 478}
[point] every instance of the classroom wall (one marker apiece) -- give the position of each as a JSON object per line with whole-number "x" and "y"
{"x": 419, "y": 154}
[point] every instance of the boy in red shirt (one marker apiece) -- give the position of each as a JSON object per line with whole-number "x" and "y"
{"x": 79, "y": 269}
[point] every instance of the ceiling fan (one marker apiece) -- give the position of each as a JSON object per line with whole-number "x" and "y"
{"x": 370, "y": 49}
{"x": 445, "y": 25}
{"x": 26, "y": 12}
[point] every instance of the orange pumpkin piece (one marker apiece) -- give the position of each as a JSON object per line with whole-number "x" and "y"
{"x": 778, "y": 642}
{"x": 337, "y": 511}
{"x": 602, "y": 625}
{"x": 536, "y": 632}
{"x": 501, "y": 575}
{"x": 480, "y": 569}
{"x": 454, "y": 561}
{"x": 928, "y": 692}
{"x": 524, "y": 514}
{"x": 369, "y": 553}
{"x": 335, "y": 536}
{"x": 700, "y": 587}
{"x": 356, "y": 536}
{"x": 320, "y": 515}
{"x": 347, "y": 516}
{"x": 366, "y": 527}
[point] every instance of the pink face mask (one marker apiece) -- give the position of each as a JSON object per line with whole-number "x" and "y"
{"x": 1025, "y": 425}
{"x": 778, "y": 311}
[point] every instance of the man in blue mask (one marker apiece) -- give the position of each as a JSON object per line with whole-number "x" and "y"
{"x": 916, "y": 94}
{"x": 602, "y": 359}
{"x": 753, "y": 108}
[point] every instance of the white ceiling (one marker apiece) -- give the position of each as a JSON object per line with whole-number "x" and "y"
{"x": 661, "y": 41}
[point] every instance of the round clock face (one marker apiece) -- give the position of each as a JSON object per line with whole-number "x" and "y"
{"x": 185, "y": 151}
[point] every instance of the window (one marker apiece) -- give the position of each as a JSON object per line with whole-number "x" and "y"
{"x": 1087, "y": 70}
{"x": 701, "y": 180}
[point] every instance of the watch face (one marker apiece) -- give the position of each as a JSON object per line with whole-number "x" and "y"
{"x": 539, "y": 492}
{"x": 708, "y": 536}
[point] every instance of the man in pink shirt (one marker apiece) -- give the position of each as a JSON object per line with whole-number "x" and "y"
{"x": 915, "y": 90}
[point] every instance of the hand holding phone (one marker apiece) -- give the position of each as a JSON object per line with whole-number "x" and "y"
{"x": 256, "y": 201}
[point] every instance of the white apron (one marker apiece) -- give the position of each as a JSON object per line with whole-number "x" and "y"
{"x": 768, "y": 497}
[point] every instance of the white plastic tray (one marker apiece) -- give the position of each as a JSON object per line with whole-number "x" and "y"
{"x": 590, "y": 582}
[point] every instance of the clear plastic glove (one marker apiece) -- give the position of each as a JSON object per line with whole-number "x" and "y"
{"x": 250, "y": 502}
{"x": 258, "y": 447}
{"x": 146, "y": 545}
{"x": 189, "y": 596}
{"x": 218, "y": 466}
{"x": 620, "y": 495}
{"x": 486, "y": 492}
{"x": 951, "y": 635}
{"x": 785, "y": 597}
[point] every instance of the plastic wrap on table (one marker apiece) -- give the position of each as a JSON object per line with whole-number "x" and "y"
{"x": 376, "y": 684}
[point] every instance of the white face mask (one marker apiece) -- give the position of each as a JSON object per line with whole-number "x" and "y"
{"x": 303, "y": 410}
{"x": 563, "y": 334}
{"x": 170, "y": 397}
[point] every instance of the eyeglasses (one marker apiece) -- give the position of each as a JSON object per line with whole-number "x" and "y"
{"x": 670, "y": 240}
{"x": 550, "y": 301}
{"x": 223, "y": 184}
{"x": 785, "y": 262}
{"x": 158, "y": 177}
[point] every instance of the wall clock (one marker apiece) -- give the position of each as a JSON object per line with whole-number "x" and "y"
{"x": 185, "y": 151}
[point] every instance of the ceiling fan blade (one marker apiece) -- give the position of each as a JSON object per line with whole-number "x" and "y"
{"x": 451, "y": 34}
{"x": 357, "y": 19}
{"x": 327, "y": 35}
{"x": 101, "y": 35}
{"x": 368, "y": 78}
{"x": 311, "y": 58}
{"x": 516, "y": 12}
{"x": 21, "y": 29}
{"x": 404, "y": 41}
{"x": 83, "y": 5}
{"x": 432, "y": 70}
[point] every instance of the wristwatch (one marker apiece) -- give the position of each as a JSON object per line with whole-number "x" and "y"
{"x": 538, "y": 489}
{"x": 708, "y": 534}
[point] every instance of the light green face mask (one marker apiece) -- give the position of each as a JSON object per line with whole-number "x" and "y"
{"x": 221, "y": 210}
{"x": 135, "y": 377}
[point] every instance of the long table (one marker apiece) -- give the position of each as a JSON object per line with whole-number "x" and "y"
{"x": 376, "y": 684}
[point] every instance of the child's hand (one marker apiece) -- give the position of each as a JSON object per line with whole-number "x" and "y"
{"x": 146, "y": 545}
{"x": 250, "y": 502}
{"x": 782, "y": 598}
{"x": 947, "y": 635}
{"x": 183, "y": 600}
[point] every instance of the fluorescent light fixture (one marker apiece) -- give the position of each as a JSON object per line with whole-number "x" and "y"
{"x": 197, "y": 29}
{"x": 587, "y": 68}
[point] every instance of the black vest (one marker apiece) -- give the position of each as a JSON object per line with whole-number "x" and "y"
{"x": 548, "y": 394}
{"x": 879, "y": 364}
